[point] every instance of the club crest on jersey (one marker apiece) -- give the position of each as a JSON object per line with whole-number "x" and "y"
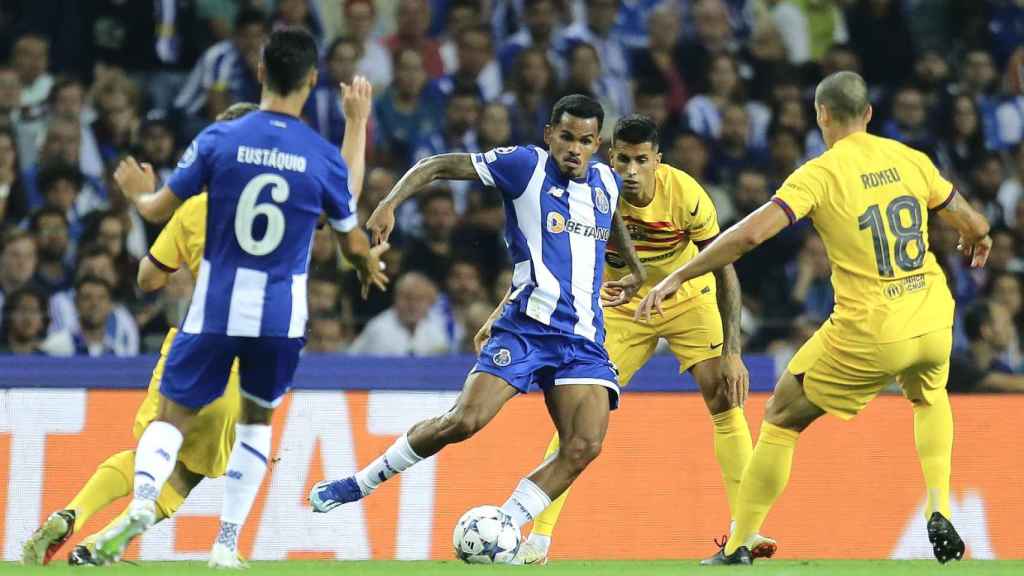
{"x": 503, "y": 357}
{"x": 601, "y": 201}
{"x": 556, "y": 223}
{"x": 556, "y": 191}
{"x": 189, "y": 156}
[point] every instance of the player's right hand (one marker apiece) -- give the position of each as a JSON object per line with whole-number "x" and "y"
{"x": 665, "y": 289}
{"x": 356, "y": 98}
{"x": 372, "y": 271}
{"x": 978, "y": 251}
{"x": 381, "y": 223}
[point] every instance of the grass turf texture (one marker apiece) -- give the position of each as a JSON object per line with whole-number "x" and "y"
{"x": 556, "y": 568}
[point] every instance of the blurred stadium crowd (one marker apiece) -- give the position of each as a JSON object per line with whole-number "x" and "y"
{"x": 85, "y": 82}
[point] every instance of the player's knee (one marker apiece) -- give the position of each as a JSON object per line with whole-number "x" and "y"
{"x": 579, "y": 452}
{"x": 462, "y": 423}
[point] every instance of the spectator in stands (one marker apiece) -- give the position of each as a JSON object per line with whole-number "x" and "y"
{"x": 457, "y": 134}
{"x": 403, "y": 113}
{"x": 650, "y": 98}
{"x": 31, "y": 60}
{"x": 476, "y": 67}
{"x": 461, "y": 16}
{"x": 61, "y": 186}
{"x": 49, "y": 227}
{"x": 62, "y": 146}
{"x": 792, "y": 115}
{"x": 13, "y": 203}
{"x": 1010, "y": 114}
{"x": 786, "y": 153}
{"x": 585, "y": 77}
{"x": 324, "y": 294}
{"x": 705, "y": 112}
{"x": 533, "y": 87}
{"x": 226, "y": 73}
{"x": 166, "y": 310}
{"x": 431, "y": 255}
{"x": 840, "y": 57}
{"x": 10, "y": 98}
{"x": 1007, "y": 289}
{"x": 298, "y": 13}
{"x": 94, "y": 334}
{"x": 931, "y": 77}
{"x": 323, "y": 109}
{"x": 908, "y": 122}
{"x": 978, "y": 81}
{"x": 734, "y": 151}
{"x": 598, "y": 31}
{"x": 1011, "y": 191}
{"x": 67, "y": 100}
{"x": 540, "y": 32}
{"x": 502, "y": 284}
{"x": 327, "y": 335}
{"x": 810, "y": 277}
{"x": 324, "y": 257}
{"x": 109, "y": 230}
{"x": 157, "y": 144}
{"x": 18, "y": 262}
{"x": 412, "y": 18}
{"x": 495, "y": 129}
{"x": 117, "y": 121}
{"x": 120, "y": 325}
{"x": 987, "y": 325}
{"x": 882, "y": 38}
{"x": 689, "y": 152}
{"x": 408, "y": 328}
{"x": 1006, "y": 25}
{"x": 379, "y": 181}
{"x": 375, "y": 62}
{"x": 464, "y": 291}
{"x": 24, "y": 326}
{"x": 1004, "y": 255}
{"x": 986, "y": 177}
{"x": 656, "y": 60}
{"x": 962, "y": 145}
{"x": 713, "y": 36}
{"x": 792, "y": 25}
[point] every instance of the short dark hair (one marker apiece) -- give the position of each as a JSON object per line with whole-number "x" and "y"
{"x": 339, "y": 41}
{"x": 580, "y": 106}
{"x": 15, "y": 298}
{"x": 91, "y": 251}
{"x": 60, "y": 84}
{"x": 249, "y": 17}
{"x": 978, "y": 315}
{"x": 439, "y": 193}
{"x": 636, "y": 129}
{"x": 43, "y": 212}
{"x": 288, "y": 56}
{"x": 92, "y": 279}
{"x": 844, "y": 93}
{"x": 54, "y": 172}
{"x": 465, "y": 89}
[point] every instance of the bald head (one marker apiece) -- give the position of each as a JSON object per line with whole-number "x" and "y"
{"x": 844, "y": 94}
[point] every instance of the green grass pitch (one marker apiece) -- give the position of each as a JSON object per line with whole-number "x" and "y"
{"x": 558, "y": 568}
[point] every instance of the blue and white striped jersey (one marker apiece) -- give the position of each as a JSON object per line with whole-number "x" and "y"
{"x": 269, "y": 177}
{"x": 556, "y": 230}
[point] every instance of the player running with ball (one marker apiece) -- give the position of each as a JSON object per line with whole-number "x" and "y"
{"x": 561, "y": 213}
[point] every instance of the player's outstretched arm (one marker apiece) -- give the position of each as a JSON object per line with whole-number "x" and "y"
{"x": 440, "y": 167}
{"x": 356, "y": 247}
{"x": 972, "y": 226}
{"x": 356, "y": 102}
{"x": 621, "y": 291}
{"x": 137, "y": 181}
{"x": 747, "y": 234}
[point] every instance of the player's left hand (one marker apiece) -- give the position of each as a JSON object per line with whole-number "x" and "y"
{"x": 356, "y": 98}
{"x": 134, "y": 179}
{"x": 736, "y": 378}
{"x": 977, "y": 252}
{"x": 381, "y": 223}
{"x": 372, "y": 271}
{"x": 618, "y": 292}
{"x": 652, "y": 302}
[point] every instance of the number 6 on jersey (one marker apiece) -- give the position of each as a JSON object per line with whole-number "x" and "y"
{"x": 248, "y": 210}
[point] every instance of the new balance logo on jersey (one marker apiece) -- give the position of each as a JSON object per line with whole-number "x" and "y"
{"x": 556, "y": 191}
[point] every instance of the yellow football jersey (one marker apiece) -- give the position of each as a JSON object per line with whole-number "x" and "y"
{"x": 868, "y": 197}
{"x": 664, "y": 233}
{"x": 182, "y": 239}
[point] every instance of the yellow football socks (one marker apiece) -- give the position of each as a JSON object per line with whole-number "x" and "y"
{"x": 733, "y": 448}
{"x": 111, "y": 480}
{"x": 544, "y": 524}
{"x": 765, "y": 478}
{"x": 933, "y": 435}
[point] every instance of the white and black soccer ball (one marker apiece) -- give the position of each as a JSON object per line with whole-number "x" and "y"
{"x": 486, "y": 535}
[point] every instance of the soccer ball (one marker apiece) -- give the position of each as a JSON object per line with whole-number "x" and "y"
{"x": 485, "y": 535}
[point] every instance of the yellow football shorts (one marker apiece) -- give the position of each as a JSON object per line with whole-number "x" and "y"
{"x": 207, "y": 446}
{"x": 841, "y": 376}
{"x": 693, "y": 330}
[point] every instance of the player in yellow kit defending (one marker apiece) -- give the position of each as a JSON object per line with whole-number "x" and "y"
{"x": 869, "y": 198}
{"x": 670, "y": 217}
{"x": 207, "y": 447}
